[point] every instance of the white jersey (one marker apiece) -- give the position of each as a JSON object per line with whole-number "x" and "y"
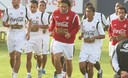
{"x": 16, "y": 16}
{"x": 45, "y": 21}
{"x": 101, "y": 17}
{"x": 111, "y": 17}
{"x": 91, "y": 29}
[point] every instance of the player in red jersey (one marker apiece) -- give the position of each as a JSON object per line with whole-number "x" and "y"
{"x": 65, "y": 24}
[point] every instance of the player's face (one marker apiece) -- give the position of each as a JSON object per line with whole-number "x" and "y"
{"x": 121, "y": 13}
{"x": 33, "y": 7}
{"x": 42, "y": 7}
{"x": 64, "y": 7}
{"x": 15, "y": 3}
{"x": 89, "y": 13}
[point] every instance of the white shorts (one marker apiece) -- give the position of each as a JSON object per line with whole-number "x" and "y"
{"x": 16, "y": 40}
{"x": 91, "y": 54}
{"x": 51, "y": 46}
{"x": 16, "y": 45}
{"x": 34, "y": 45}
{"x": 45, "y": 46}
{"x": 64, "y": 48}
{"x": 84, "y": 56}
{"x": 111, "y": 49}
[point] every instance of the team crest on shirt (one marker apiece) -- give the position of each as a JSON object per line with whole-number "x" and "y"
{"x": 21, "y": 13}
{"x": 10, "y": 14}
{"x": 114, "y": 24}
{"x": 125, "y": 25}
{"x": 67, "y": 18}
{"x": 37, "y": 17}
{"x": 93, "y": 27}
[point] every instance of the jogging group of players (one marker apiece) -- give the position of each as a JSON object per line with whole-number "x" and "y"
{"x": 30, "y": 28}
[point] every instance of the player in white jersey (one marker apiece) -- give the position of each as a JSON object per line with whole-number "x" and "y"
{"x": 14, "y": 19}
{"x": 35, "y": 42}
{"x": 92, "y": 34}
{"x": 109, "y": 19}
{"x": 102, "y": 19}
{"x": 45, "y": 33}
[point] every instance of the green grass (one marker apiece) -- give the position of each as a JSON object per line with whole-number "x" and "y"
{"x": 5, "y": 69}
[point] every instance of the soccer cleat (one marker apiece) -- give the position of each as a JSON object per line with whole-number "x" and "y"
{"x": 59, "y": 76}
{"x": 39, "y": 73}
{"x": 28, "y": 76}
{"x": 86, "y": 75}
{"x": 43, "y": 71}
{"x": 55, "y": 75}
{"x": 64, "y": 74}
{"x": 99, "y": 75}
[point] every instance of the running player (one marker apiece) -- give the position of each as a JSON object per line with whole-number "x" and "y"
{"x": 14, "y": 19}
{"x": 63, "y": 32}
{"x": 92, "y": 32}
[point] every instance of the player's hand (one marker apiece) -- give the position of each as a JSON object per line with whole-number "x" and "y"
{"x": 124, "y": 74}
{"x": 27, "y": 36}
{"x": 6, "y": 24}
{"x": 80, "y": 37}
{"x": 105, "y": 28}
{"x": 67, "y": 35}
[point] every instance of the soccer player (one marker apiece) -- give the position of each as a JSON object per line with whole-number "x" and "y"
{"x": 92, "y": 34}
{"x": 119, "y": 59}
{"x": 101, "y": 18}
{"x": 35, "y": 42}
{"x": 14, "y": 19}
{"x": 45, "y": 33}
{"x": 109, "y": 19}
{"x": 118, "y": 29}
{"x": 64, "y": 25}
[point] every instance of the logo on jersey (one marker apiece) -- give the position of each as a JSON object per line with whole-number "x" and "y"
{"x": 21, "y": 13}
{"x": 125, "y": 48}
{"x": 118, "y": 31}
{"x": 34, "y": 22}
{"x": 63, "y": 24}
{"x": 19, "y": 19}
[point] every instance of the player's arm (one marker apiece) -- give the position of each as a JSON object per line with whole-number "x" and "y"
{"x": 5, "y": 19}
{"x": 76, "y": 24}
{"x": 100, "y": 32}
{"x": 104, "y": 21}
{"x": 28, "y": 17}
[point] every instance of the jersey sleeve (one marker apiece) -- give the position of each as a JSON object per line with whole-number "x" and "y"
{"x": 28, "y": 14}
{"x": 104, "y": 21}
{"x": 45, "y": 19}
{"x": 52, "y": 23}
{"x": 100, "y": 29}
{"x": 5, "y": 17}
{"x": 76, "y": 24}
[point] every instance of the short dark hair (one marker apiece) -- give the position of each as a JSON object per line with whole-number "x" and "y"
{"x": 88, "y": 4}
{"x": 66, "y": 1}
{"x": 122, "y": 8}
{"x": 91, "y": 8}
{"x": 42, "y": 1}
{"x": 34, "y": 2}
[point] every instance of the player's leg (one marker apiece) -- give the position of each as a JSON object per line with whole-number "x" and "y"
{"x": 98, "y": 67}
{"x": 16, "y": 63}
{"x": 29, "y": 64}
{"x": 69, "y": 68}
{"x": 90, "y": 70}
{"x": 12, "y": 59}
